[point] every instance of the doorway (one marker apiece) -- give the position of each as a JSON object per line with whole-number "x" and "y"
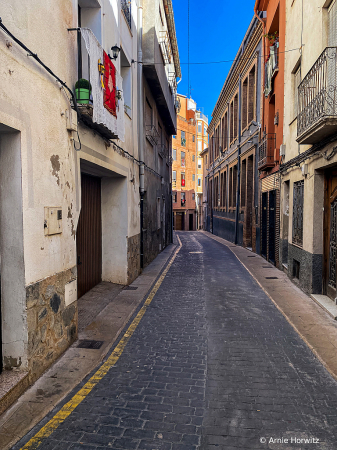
{"x": 272, "y": 225}
{"x": 180, "y": 221}
{"x": 330, "y": 234}
{"x": 190, "y": 222}
{"x": 264, "y": 224}
{"x": 89, "y": 235}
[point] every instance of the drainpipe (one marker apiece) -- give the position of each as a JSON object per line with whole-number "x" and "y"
{"x": 141, "y": 128}
{"x": 239, "y": 170}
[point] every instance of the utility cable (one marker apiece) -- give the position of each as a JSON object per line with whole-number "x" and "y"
{"x": 34, "y": 55}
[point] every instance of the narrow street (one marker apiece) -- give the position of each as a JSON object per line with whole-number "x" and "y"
{"x": 212, "y": 364}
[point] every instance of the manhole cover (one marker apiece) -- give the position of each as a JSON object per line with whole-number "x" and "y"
{"x": 95, "y": 345}
{"x": 271, "y": 278}
{"x": 130, "y": 288}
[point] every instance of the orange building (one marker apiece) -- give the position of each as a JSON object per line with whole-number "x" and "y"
{"x": 184, "y": 166}
{"x": 272, "y": 14}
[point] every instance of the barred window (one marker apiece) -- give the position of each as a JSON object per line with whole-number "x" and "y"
{"x": 298, "y": 213}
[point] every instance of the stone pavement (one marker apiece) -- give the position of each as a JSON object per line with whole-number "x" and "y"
{"x": 116, "y": 308}
{"x": 213, "y": 364}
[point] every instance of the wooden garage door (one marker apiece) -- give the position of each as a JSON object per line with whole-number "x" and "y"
{"x": 89, "y": 235}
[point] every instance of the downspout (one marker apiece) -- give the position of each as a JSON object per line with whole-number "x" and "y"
{"x": 141, "y": 128}
{"x": 239, "y": 171}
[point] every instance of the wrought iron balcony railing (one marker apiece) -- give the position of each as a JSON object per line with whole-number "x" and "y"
{"x": 266, "y": 151}
{"x": 152, "y": 134}
{"x": 126, "y": 8}
{"x": 317, "y": 99}
{"x": 165, "y": 45}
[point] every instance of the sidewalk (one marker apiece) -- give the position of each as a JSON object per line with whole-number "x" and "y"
{"x": 76, "y": 363}
{"x": 315, "y": 326}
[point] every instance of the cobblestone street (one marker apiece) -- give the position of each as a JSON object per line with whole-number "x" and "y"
{"x": 212, "y": 365}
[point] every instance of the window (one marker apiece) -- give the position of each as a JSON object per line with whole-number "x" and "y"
{"x": 225, "y": 131}
{"x": 298, "y": 213}
{"x": 183, "y": 139}
{"x": 148, "y": 114}
{"x": 174, "y": 154}
{"x": 251, "y": 95}
{"x": 332, "y": 27}
{"x": 174, "y": 196}
{"x": 158, "y": 214}
{"x": 199, "y": 163}
{"x": 199, "y": 146}
{"x": 193, "y": 196}
{"x": 183, "y": 179}
{"x": 183, "y": 198}
{"x": 126, "y": 73}
{"x": 235, "y": 118}
{"x": 193, "y": 157}
{"x": 182, "y": 158}
{"x": 199, "y": 181}
{"x": 193, "y": 177}
{"x": 174, "y": 175}
{"x": 193, "y": 138}
{"x": 206, "y": 160}
{"x": 244, "y": 103}
{"x": 126, "y": 8}
{"x": 199, "y": 127}
{"x": 297, "y": 81}
{"x": 205, "y": 130}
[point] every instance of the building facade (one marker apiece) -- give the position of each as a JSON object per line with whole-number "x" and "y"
{"x": 202, "y": 143}
{"x": 82, "y": 179}
{"x": 308, "y": 170}
{"x": 271, "y": 135}
{"x": 232, "y": 180}
{"x": 185, "y": 166}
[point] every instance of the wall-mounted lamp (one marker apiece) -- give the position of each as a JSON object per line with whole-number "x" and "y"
{"x": 115, "y": 51}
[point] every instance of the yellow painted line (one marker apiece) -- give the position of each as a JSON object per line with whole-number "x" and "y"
{"x": 69, "y": 407}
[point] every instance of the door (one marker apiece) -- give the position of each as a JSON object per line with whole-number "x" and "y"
{"x": 89, "y": 235}
{"x": 272, "y": 225}
{"x": 330, "y": 234}
{"x": 191, "y": 222}
{"x": 179, "y": 221}
{"x": 264, "y": 224}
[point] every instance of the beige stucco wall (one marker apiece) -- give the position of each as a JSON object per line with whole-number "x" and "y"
{"x": 305, "y": 41}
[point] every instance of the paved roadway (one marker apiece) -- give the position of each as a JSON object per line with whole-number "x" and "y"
{"x": 212, "y": 365}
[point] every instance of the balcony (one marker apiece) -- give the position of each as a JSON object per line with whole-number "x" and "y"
{"x": 266, "y": 151}
{"x": 126, "y": 8}
{"x": 161, "y": 65}
{"x": 183, "y": 202}
{"x": 163, "y": 150}
{"x": 317, "y": 100}
{"x": 152, "y": 134}
{"x": 95, "y": 113}
{"x": 174, "y": 183}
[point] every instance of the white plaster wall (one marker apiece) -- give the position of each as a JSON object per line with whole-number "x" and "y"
{"x": 13, "y": 294}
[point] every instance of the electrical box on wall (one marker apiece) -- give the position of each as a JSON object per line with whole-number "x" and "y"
{"x": 71, "y": 117}
{"x": 52, "y": 220}
{"x": 70, "y": 293}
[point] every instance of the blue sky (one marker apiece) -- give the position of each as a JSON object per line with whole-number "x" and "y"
{"x": 216, "y": 32}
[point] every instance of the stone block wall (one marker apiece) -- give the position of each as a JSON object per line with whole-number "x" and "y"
{"x": 52, "y": 327}
{"x": 133, "y": 257}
